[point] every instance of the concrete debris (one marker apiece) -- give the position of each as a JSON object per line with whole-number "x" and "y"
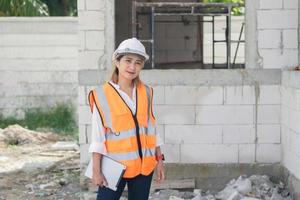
{"x": 255, "y": 187}
{"x": 234, "y": 188}
{"x": 65, "y": 146}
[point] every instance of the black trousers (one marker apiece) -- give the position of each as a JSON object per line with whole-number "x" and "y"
{"x": 138, "y": 189}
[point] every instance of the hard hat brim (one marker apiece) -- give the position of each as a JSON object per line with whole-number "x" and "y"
{"x": 126, "y": 51}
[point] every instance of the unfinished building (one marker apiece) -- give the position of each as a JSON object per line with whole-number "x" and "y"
{"x": 217, "y": 123}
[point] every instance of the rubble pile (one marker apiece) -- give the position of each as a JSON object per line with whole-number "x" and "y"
{"x": 17, "y": 135}
{"x": 255, "y": 187}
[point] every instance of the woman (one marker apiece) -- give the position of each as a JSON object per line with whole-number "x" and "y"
{"x": 123, "y": 126}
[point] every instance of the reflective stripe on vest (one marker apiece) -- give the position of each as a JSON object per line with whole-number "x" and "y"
{"x": 130, "y": 139}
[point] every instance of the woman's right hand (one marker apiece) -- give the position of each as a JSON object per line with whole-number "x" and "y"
{"x": 99, "y": 179}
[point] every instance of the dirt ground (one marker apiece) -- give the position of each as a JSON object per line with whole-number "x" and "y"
{"x": 30, "y": 168}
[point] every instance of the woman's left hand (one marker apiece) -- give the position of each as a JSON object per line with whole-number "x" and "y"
{"x": 160, "y": 174}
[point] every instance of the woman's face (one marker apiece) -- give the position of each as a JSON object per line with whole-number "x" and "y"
{"x": 130, "y": 66}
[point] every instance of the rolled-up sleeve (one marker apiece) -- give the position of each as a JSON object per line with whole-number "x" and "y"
{"x": 98, "y": 134}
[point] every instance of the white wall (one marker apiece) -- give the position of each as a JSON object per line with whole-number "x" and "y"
{"x": 290, "y": 121}
{"x": 38, "y": 63}
{"x": 219, "y": 124}
{"x": 277, "y": 32}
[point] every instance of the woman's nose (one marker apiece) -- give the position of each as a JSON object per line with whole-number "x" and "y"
{"x": 132, "y": 65}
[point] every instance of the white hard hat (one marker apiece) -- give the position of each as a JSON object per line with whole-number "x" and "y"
{"x": 131, "y": 45}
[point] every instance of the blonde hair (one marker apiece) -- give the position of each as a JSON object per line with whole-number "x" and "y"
{"x": 115, "y": 71}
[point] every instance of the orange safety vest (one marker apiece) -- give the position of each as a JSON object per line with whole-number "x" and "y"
{"x": 130, "y": 139}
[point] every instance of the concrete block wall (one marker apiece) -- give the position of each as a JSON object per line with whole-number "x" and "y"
{"x": 38, "y": 63}
{"x": 290, "y": 126}
{"x": 96, "y": 28}
{"x": 277, "y": 33}
{"x": 219, "y": 124}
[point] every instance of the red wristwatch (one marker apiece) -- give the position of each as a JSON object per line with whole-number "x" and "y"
{"x": 160, "y": 157}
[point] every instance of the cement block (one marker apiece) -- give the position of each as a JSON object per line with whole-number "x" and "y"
{"x": 285, "y": 140}
{"x": 209, "y": 95}
{"x": 212, "y": 77}
{"x": 45, "y": 64}
{"x": 276, "y": 19}
{"x": 277, "y": 59}
{"x": 48, "y": 77}
{"x": 185, "y": 95}
{"x": 224, "y": 114}
{"x": 95, "y": 40}
{"x": 37, "y": 52}
{"x": 269, "y": 94}
{"x": 290, "y": 38}
{"x": 285, "y": 115}
{"x": 167, "y": 114}
{"x": 291, "y": 79}
{"x": 269, "y": 153}
{"x": 82, "y": 134}
{"x": 290, "y": 97}
{"x": 91, "y": 20}
{"x": 158, "y": 94}
{"x": 95, "y": 4}
{"x": 91, "y": 59}
{"x": 268, "y": 114}
{"x": 209, "y": 153}
{"x": 295, "y": 141}
{"x": 171, "y": 152}
{"x": 238, "y": 134}
{"x": 268, "y": 134}
{"x": 290, "y": 4}
{"x": 85, "y": 116}
{"x": 291, "y": 119}
{"x": 270, "y": 4}
{"x": 89, "y": 133}
{"x": 292, "y": 163}
{"x": 82, "y": 97}
{"x": 81, "y": 37}
{"x": 85, "y": 156}
{"x": 92, "y": 77}
{"x": 246, "y": 153}
{"x": 193, "y": 134}
{"x": 240, "y": 95}
{"x": 43, "y": 25}
{"x": 269, "y": 38}
{"x": 42, "y": 40}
